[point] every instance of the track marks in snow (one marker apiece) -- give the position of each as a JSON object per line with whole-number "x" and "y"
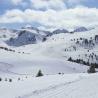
{"x": 6, "y": 68}
{"x": 50, "y": 91}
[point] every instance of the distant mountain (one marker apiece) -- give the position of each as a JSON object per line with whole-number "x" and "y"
{"x": 80, "y": 29}
{"x": 28, "y": 35}
{"x": 36, "y": 30}
{"x": 31, "y": 35}
{"x": 24, "y": 38}
{"x": 60, "y": 31}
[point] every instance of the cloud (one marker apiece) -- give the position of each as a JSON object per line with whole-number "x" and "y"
{"x": 12, "y": 16}
{"x": 38, "y": 4}
{"x": 52, "y": 18}
{"x": 48, "y": 4}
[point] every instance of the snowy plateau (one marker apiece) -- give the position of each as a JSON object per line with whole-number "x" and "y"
{"x": 62, "y": 56}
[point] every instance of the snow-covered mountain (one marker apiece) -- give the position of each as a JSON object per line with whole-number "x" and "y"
{"x": 80, "y": 29}
{"x": 60, "y": 31}
{"x": 31, "y": 35}
{"x": 36, "y": 30}
{"x": 27, "y": 35}
{"x": 24, "y": 38}
{"x": 78, "y": 45}
{"x": 61, "y": 57}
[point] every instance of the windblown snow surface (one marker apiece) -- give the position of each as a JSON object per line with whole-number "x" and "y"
{"x": 22, "y": 66}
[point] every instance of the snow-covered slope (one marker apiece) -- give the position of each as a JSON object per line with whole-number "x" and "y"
{"x": 62, "y": 78}
{"x": 82, "y": 45}
{"x": 79, "y": 45}
{"x": 50, "y": 86}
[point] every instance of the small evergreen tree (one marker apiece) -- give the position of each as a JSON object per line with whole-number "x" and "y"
{"x": 39, "y": 74}
{"x": 91, "y": 69}
{"x": 44, "y": 39}
{"x": 70, "y": 59}
{"x": 0, "y": 79}
{"x": 18, "y": 78}
{"x": 10, "y": 80}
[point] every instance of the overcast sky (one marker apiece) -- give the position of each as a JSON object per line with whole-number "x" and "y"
{"x": 48, "y": 13}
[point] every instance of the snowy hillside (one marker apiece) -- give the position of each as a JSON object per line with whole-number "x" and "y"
{"x": 79, "y": 46}
{"x": 26, "y": 51}
{"x": 48, "y": 48}
{"x": 52, "y": 86}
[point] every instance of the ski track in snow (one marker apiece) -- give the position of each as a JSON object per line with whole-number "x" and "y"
{"x": 54, "y": 50}
{"x": 6, "y": 69}
{"x": 52, "y": 91}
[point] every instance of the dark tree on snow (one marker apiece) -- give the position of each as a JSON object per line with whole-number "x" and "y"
{"x": 39, "y": 74}
{"x": 91, "y": 69}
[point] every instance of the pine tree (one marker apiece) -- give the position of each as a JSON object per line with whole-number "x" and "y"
{"x": 10, "y": 80}
{"x": 39, "y": 74}
{"x": 91, "y": 69}
{"x": 0, "y": 79}
{"x": 70, "y": 59}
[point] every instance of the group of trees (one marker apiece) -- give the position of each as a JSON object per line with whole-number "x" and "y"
{"x": 72, "y": 48}
{"x": 39, "y": 74}
{"x": 80, "y": 61}
{"x": 82, "y": 42}
{"x": 91, "y": 69}
{"x": 96, "y": 38}
{"x": 92, "y": 66}
{"x": 7, "y": 49}
{"x": 9, "y": 80}
{"x": 86, "y": 43}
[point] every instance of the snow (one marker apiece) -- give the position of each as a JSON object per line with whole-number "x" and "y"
{"x": 61, "y": 78}
{"x": 30, "y": 64}
{"x": 52, "y": 86}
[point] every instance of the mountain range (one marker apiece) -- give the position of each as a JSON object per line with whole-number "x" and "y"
{"x": 31, "y": 35}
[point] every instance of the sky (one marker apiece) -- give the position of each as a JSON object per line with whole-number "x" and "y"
{"x": 48, "y": 14}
